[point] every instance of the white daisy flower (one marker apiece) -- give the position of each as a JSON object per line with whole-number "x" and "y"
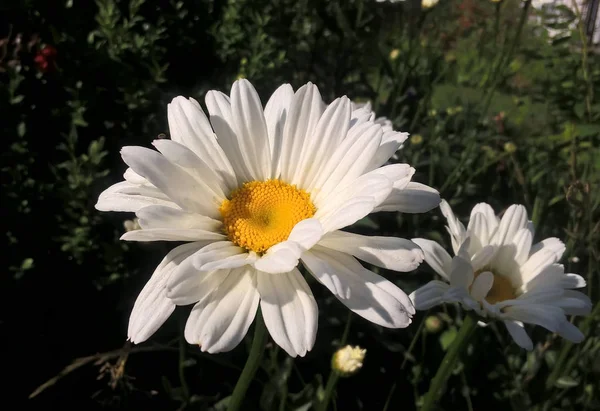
{"x": 498, "y": 272}
{"x": 254, "y": 191}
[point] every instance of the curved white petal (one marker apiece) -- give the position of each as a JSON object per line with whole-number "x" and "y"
{"x": 398, "y": 174}
{"x": 206, "y": 177}
{"x": 364, "y": 292}
{"x": 190, "y": 126}
{"x": 490, "y": 216}
{"x": 482, "y": 257}
{"x": 251, "y": 128}
{"x": 569, "y": 332}
{"x": 536, "y": 264}
{"x": 305, "y": 110}
{"x": 414, "y": 198}
{"x": 461, "y": 272}
{"x": 429, "y": 295}
{"x": 552, "y": 244}
{"x": 392, "y": 253}
{"x": 455, "y": 227}
{"x": 436, "y": 257}
{"x": 482, "y": 285}
{"x": 574, "y": 303}
{"x": 276, "y": 112}
{"x": 221, "y": 320}
{"x": 518, "y": 334}
{"x": 152, "y": 307}
{"x": 172, "y": 234}
{"x": 391, "y": 141}
{"x": 514, "y": 219}
{"x": 222, "y": 255}
{"x": 522, "y": 241}
{"x": 478, "y": 232}
{"x": 223, "y": 122}
{"x": 543, "y": 315}
{"x": 157, "y": 216}
{"x": 346, "y": 163}
{"x": 319, "y": 146}
{"x": 283, "y": 257}
{"x": 347, "y": 205}
{"x": 125, "y": 196}
{"x": 289, "y": 310}
{"x": 172, "y": 180}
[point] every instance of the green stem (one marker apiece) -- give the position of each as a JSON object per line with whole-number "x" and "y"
{"x": 559, "y": 367}
{"x": 334, "y": 375}
{"x": 438, "y": 384}
{"x": 252, "y": 364}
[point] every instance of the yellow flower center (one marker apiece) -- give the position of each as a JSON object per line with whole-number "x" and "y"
{"x": 261, "y": 214}
{"x": 501, "y": 290}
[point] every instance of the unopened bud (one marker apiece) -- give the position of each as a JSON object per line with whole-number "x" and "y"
{"x": 433, "y": 324}
{"x": 510, "y": 147}
{"x": 348, "y": 360}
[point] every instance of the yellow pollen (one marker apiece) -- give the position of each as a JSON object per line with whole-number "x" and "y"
{"x": 501, "y": 290}
{"x": 261, "y": 214}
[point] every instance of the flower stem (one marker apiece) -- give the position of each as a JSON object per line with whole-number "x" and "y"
{"x": 334, "y": 375}
{"x": 252, "y": 364}
{"x": 438, "y": 383}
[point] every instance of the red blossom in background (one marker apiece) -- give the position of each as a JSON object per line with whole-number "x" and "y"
{"x": 44, "y": 59}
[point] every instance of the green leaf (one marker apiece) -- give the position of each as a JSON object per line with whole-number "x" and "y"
{"x": 566, "y": 382}
{"x": 448, "y": 337}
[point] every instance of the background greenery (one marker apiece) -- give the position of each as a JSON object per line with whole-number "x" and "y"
{"x": 497, "y": 110}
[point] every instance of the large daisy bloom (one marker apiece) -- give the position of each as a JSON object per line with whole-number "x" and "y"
{"x": 254, "y": 191}
{"x": 498, "y": 272}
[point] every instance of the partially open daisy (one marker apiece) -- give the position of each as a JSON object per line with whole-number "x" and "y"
{"x": 498, "y": 272}
{"x": 254, "y": 191}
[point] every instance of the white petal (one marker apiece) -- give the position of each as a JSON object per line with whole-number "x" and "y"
{"x": 134, "y": 178}
{"x": 455, "y": 227}
{"x": 430, "y": 295}
{"x": 188, "y": 285}
{"x": 305, "y": 110}
{"x": 364, "y": 292}
{"x": 572, "y": 281}
{"x": 206, "y": 176}
{"x": 172, "y": 234}
{"x": 391, "y": 141}
{"x": 157, "y": 216}
{"x": 125, "y": 196}
{"x": 478, "y": 232}
{"x": 514, "y": 219}
{"x": 222, "y": 255}
{"x": 536, "y": 263}
{"x": 489, "y": 214}
{"x": 322, "y": 143}
{"x": 553, "y": 244}
{"x": 189, "y": 126}
{"x": 172, "y": 180}
{"x": 398, "y": 174}
{"x": 392, "y": 253}
{"x": 522, "y": 242}
{"x": 569, "y": 332}
{"x": 461, "y": 272}
{"x": 219, "y": 322}
{"x": 283, "y": 257}
{"x": 276, "y": 112}
{"x": 251, "y": 128}
{"x": 347, "y": 205}
{"x": 435, "y": 256}
{"x": 223, "y": 122}
{"x": 414, "y": 198}
{"x": 518, "y": 334}
{"x": 482, "y": 257}
{"x": 482, "y": 285}
{"x": 152, "y": 307}
{"x": 289, "y": 310}
{"x": 346, "y": 163}
{"x": 543, "y": 315}
{"x": 574, "y": 303}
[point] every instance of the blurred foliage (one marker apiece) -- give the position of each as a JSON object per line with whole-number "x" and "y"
{"x": 498, "y": 112}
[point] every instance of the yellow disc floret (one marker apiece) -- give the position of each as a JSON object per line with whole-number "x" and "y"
{"x": 501, "y": 290}
{"x": 261, "y": 214}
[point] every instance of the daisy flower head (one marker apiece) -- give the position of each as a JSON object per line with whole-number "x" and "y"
{"x": 254, "y": 191}
{"x": 499, "y": 272}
